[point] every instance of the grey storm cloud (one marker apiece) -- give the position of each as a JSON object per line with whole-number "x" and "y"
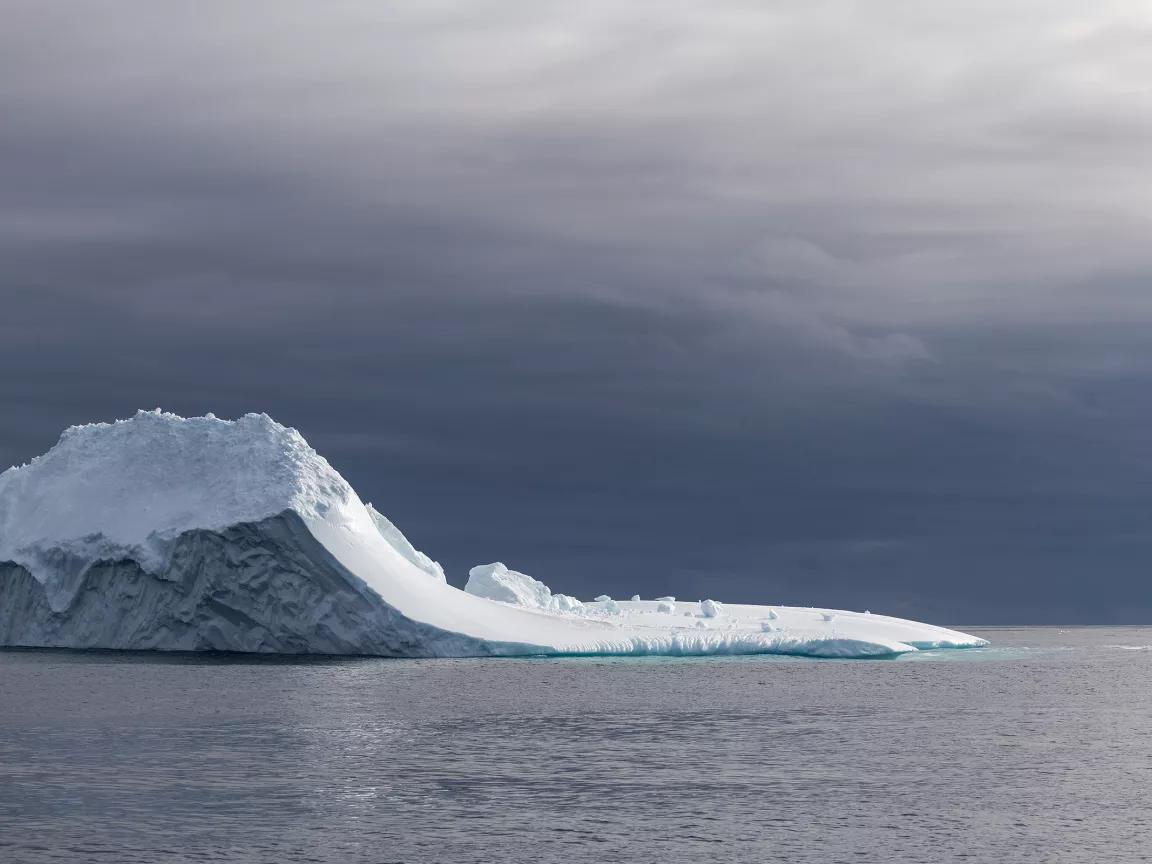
{"x": 833, "y": 303}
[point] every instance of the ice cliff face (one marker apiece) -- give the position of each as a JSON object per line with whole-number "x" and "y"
{"x": 264, "y": 586}
{"x": 167, "y": 533}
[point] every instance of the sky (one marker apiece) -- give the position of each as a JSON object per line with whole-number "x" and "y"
{"x": 825, "y": 303}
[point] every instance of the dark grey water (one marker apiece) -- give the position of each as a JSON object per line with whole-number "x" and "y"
{"x": 1037, "y": 749}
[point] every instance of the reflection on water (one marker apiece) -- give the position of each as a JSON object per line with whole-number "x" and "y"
{"x": 1032, "y": 749}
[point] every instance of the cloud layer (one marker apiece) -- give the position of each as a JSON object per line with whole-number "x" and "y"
{"x": 835, "y": 304}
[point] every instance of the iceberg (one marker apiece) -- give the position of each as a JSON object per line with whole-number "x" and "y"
{"x": 202, "y": 534}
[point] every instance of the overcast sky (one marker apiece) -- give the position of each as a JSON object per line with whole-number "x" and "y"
{"x": 815, "y": 303}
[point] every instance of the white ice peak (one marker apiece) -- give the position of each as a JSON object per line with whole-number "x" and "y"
{"x": 125, "y": 484}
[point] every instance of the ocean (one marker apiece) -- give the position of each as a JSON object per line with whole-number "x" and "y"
{"x": 1035, "y": 749}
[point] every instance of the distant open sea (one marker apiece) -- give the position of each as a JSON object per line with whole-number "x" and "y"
{"x": 1038, "y": 748}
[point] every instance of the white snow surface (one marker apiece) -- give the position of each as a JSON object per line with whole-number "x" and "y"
{"x": 711, "y": 609}
{"x": 400, "y": 543}
{"x": 129, "y": 489}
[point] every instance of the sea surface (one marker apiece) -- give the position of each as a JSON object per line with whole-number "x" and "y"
{"x": 1036, "y": 749}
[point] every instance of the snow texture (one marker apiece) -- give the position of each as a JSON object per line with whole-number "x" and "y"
{"x": 166, "y": 533}
{"x": 496, "y": 582}
{"x": 711, "y": 609}
{"x": 400, "y": 543}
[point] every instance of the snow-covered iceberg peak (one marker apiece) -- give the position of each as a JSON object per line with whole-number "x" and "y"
{"x": 121, "y": 487}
